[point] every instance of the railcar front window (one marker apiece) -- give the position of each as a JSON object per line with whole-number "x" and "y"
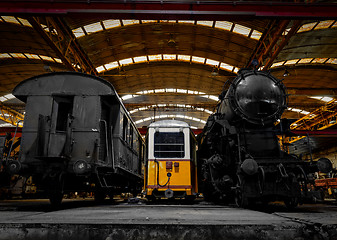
{"x": 169, "y": 145}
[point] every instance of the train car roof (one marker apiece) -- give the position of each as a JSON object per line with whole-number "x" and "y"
{"x": 63, "y": 83}
{"x": 169, "y": 124}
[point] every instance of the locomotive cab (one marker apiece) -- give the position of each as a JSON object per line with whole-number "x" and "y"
{"x": 171, "y": 161}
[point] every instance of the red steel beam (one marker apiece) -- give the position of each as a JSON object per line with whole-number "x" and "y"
{"x": 172, "y": 9}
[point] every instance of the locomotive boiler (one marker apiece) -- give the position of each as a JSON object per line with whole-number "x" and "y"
{"x": 239, "y": 156}
{"x": 77, "y": 136}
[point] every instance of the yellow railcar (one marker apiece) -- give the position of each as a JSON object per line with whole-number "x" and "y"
{"x": 171, "y": 169}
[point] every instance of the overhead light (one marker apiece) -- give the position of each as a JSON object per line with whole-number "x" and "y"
{"x": 171, "y": 42}
{"x": 286, "y": 73}
{"x": 215, "y": 71}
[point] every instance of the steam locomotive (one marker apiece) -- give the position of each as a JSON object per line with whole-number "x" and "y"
{"x": 239, "y": 155}
{"x": 77, "y": 136}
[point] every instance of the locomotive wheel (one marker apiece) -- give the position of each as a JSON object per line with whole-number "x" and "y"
{"x": 99, "y": 196}
{"x": 55, "y": 198}
{"x": 56, "y": 189}
{"x": 291, "y": 202}
{"x": 241, "y": 200}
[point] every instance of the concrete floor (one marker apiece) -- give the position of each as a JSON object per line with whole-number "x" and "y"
{"x": 82, "y": 219}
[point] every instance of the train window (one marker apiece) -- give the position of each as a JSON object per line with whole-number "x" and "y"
{"x": 169, "y": 145}
{"x": 125, "y": 128}
{"x": 131, "y": 136}
{"x": 64, "y": 109}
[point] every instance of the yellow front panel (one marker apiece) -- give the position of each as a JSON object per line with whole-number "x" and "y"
{"x": 180, "y": 176}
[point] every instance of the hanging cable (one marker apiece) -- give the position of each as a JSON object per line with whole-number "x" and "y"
{"x": 168, "y": 175}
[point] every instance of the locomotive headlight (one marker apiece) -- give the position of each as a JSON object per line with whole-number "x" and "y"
{"x": 81, "y": 167}
{"x": 249, "y": 166}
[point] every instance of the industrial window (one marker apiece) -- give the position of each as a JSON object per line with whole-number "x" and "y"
{"x": 169, "y": 145}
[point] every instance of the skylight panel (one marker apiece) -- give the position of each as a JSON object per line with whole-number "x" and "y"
{"x": 92, "y": 28}
{"x": 256, "y": 35}
{"x": 319, "y": 60}
{"x": 58, "y": 60}
{"x": 215, "y": 98}
{"x": 277, "y": 64}
{"x": 159, "y": 90}
{"x": 140, "y": 59}
{"x": 224, "y": 25}
{"x": 168, "y": 21}
{"x": 181, "y": 91}
{"x": 296, "y": 110}
{"x": 18, "y": 55}
{"x": 170, "y": 90}
{"x": 111, "y": 23}
{"x": 78, "y": 32}
{"x": 198, "y": 59}
{"x": 334, "y": 25}
{"x": 133, "y": 111}
{"x": 184, "y": 58}
{"x": 5, "y": 55}
{"x": 10, "y": 19}
{"x": 24, "y": 22}
{"x": 46, "y": 58}
{"x": 100, "y": 69}
{"x": 149, "y": 21}
{"x": 126, "y": 97}
{"x": 324, "y": 24}
{"x": 9, "y": 96}
{"x": 205, "y": 23}
{"x": 169, "y": 56}
{"x": 305, "y": 60}
{"x": 6, "y": 125}
{"x": 130, "y": 22}
{"x": 111, "y": 65}
{"x": 186, "y": 21}
{"x": 155, "y": 57}
{"x": 212, "y": 62}
{"x": 332, "y": 61}
{"x": 290, "y": 62}
{"x": 326, "y": 99}
{"x": 241, "y": 30}
{"x": 32, "y": 56}
{"x": 226, "y": 66}
{"x": 322, "y": 98}
{"x": 125, "y": 61}
{"x": 307, "y": 27}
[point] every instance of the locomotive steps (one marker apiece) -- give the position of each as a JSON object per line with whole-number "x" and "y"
{"x": 139, "y": 221}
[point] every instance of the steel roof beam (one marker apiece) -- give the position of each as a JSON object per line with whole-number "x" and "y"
{"x": 213, "y": 10}
{"x": 9, "y": 115}
{"x": 61, "y": 39}
{"x": 272, "y": 41}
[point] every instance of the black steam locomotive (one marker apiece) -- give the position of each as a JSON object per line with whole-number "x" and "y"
{"x": 77, "y": 136}
{"x": 239, "y": 156}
